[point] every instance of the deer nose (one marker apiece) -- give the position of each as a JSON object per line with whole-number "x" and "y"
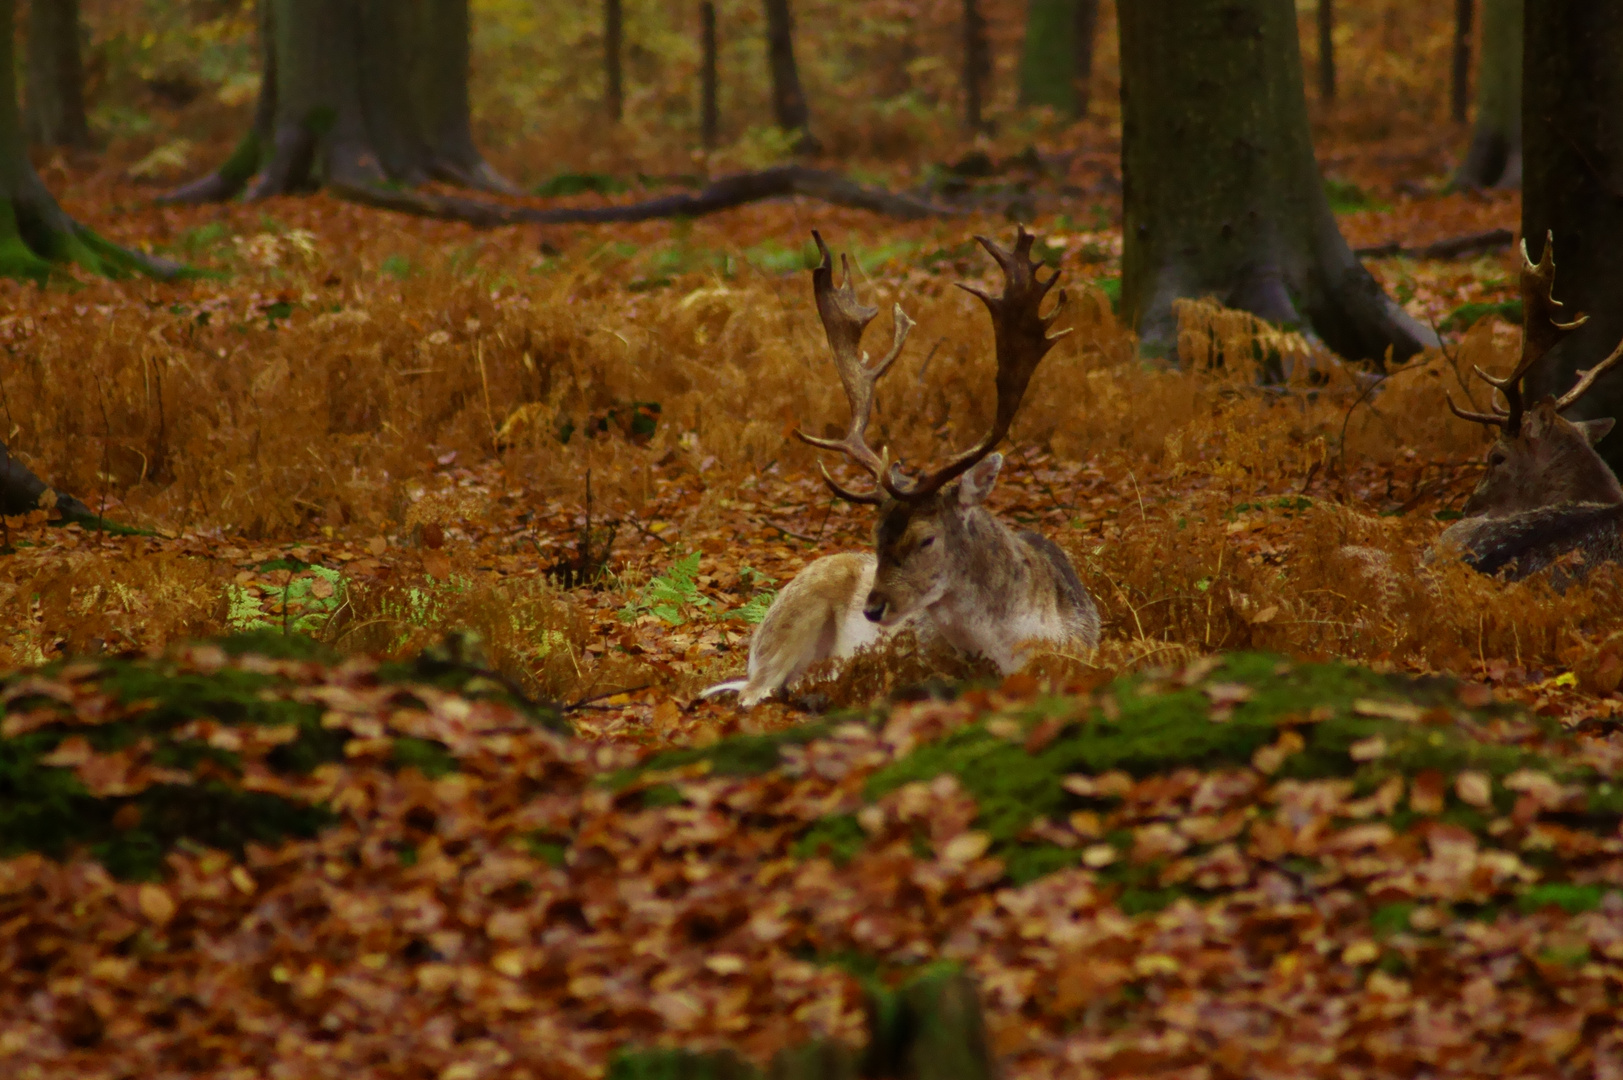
{"x": 874, "y": 609}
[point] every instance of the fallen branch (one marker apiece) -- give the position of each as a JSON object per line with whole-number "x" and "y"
{"x": 21, "y": 491}
{"x": 723, "y": 193}
{"x": 1452, "y": 248}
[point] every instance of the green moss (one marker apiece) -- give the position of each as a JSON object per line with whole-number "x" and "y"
{"x": 547, "y": 848}
{"x": 838, "y": 838}
{"x": 46, "y": 808}
{"x": 1573, "y": 899}
{"x": 428, "y": 756}
{"x": 1468, "y": 315}
{"x": 740, "y": 755}
{"x": 677, "y": 1064}
{"x": 1389, "y": 919}
{"x": 457, "y": 665}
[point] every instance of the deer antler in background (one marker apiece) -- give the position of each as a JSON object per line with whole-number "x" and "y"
{"x": 1542, "y": 330}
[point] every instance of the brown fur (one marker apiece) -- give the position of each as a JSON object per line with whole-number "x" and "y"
{"x": 988, "y": 590}
{"x": 1538, "y": 500}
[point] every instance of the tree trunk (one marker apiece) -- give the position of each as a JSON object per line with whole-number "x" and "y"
{"x": 977, "y": 65}
{"x": 54, "y": 110}
{"x": 1459, "y": 97}
{"x": 35, "y": 235}
{"x": 614, "y": 99}
{"x": 1573, "y": 106}
{"x": 1494, "y": 158}
{"x": 1048, "y": 62}
{"x": 1327, "y": 50}
{"x": 356, "y": 93}
{"x": 788, "y": 100}
{"x": 1223, "y": 196}
{"x": 1087, "y": 30}
{"x": 708, "y": 113}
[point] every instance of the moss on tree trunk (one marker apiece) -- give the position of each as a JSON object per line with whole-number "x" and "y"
{"x": 1572, "y": 176}
{"x": 1494, "y": 158}
{"x": 1223, "y": 195}
{"x": 356, "y": 93}
{"x": 36, "y": 236}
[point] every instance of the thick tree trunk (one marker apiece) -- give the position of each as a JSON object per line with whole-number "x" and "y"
{"x": 1573, "y": 111}
{"x": 1223, "y": 196}
{"x": 788, "y": 99}
{"x": 1459, "y": 96}
{"x": 35, "y": 235}
{"x": 977, "y": 65}
{"x": 1494, "y": 158}
{"x": 709, "y": 119}
{"x": 1327, "y": 50}
{"x": 356, "y": 93}
{"x": 54, "y": 109}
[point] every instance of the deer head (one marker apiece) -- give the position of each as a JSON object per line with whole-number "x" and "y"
{"x": 929, "y": 525}
{"x": 1541, "y": 458}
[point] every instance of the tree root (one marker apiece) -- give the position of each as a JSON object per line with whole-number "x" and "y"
{"x": 21, "y": 491}
{"x": 720, "y": 194}
{"x": 1455, "y": 247}
{"x": 37, "y": 237}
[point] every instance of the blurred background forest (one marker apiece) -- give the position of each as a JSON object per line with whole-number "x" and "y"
{"x": 169, "y": 85}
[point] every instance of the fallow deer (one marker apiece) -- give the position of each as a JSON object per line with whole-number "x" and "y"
{"x": 1546, "y": 494}
{"x": 941, "y": 560}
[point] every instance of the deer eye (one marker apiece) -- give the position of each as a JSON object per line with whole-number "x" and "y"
{"x": 926, "y": 542}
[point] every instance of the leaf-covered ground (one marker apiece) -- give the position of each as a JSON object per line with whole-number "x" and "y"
{"x": 1250, "y": 866}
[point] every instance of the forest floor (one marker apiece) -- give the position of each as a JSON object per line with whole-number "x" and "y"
{"x": 1296, "y": 817}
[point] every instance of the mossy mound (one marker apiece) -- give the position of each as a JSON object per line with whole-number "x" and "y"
{"x": 207, "y": 746}
{"x": 1027, "y": 760}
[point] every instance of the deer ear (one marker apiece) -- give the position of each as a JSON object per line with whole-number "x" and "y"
{"x": 978, "y": 482}
{"x": 1540, "y": 418}
{"x": 1595, "y": 430}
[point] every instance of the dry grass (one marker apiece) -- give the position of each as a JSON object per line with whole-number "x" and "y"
{"x": 330, "y": 426}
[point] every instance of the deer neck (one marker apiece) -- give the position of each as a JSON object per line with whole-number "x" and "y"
{"x": 986, "y": 601}
{"x": 1588, "y": 479}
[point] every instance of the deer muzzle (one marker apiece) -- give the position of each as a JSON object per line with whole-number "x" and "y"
{"x": 874, "y": 609}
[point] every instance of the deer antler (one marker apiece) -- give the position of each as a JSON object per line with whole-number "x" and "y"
{"x": 1541, "y": 332}
{"x": 844, "y": 320}
{"x": 1022, "y": 337}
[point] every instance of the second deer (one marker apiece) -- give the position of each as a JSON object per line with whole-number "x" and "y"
{"x": 941, "y": 561}
{"x": 1546, "y": 495}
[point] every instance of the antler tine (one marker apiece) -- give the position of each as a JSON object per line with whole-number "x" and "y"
{"x": 1587, "y": 377}
{"x": 844, "y": 320}
{"x": 1542, "y": 330}
{"x": 1496, "y": 418}
{"x": 1021, "y": 333}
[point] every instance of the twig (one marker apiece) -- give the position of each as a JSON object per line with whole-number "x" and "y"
{"x": 646, "y": 531}
{"x": 586, "y": 702}
{"x": 106, "y": 457}
{"x": 1043, "y": 480}
{"x": 826, "y": 515}
{"x": 787, "y": 532}
{"x": 927, "y": 358}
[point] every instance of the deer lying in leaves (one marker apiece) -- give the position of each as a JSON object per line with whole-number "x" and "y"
{"x": 1547, "y": 495}
{"x": 941, "y": 561}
